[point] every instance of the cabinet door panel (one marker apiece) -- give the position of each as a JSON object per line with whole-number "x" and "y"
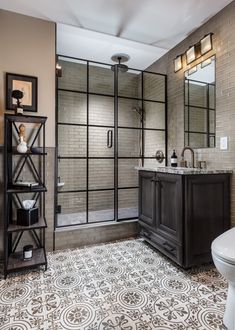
{"x": 168, "y": 206}
{"x": 146, "y": 197}
{"x": 207, "y": 215}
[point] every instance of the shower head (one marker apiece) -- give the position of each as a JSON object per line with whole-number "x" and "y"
{"x": 120, "y": 58}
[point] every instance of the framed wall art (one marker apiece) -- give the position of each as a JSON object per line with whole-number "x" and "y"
{"x": 28, "y": 85}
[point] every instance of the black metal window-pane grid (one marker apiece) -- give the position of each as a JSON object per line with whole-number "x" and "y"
{"x": 116, "y": 128}
{"x": 210, "y": 136}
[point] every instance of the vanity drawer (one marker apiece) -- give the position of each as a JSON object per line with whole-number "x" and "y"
{"x": 166, "y": 246}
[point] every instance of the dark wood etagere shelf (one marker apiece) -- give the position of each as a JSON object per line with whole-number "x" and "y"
{"x": 29, "y": 152}
{"x": 17, "y": 165}
{"x": 14, "y": 189}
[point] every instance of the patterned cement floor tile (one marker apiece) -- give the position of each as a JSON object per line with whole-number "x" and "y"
{"x": 117, "y": 286}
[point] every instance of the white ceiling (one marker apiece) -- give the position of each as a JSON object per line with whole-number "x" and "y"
{"x": 156, "y": 23}
{"x": 95, "y": 46}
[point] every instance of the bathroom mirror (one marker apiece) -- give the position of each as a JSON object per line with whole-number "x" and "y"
{"x": 199, "y": 105}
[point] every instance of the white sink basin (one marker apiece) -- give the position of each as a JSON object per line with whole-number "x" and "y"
{"x": 60, "y": 184}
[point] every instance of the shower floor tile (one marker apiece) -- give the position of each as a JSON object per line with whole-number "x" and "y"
{"x": 96, "y": 216}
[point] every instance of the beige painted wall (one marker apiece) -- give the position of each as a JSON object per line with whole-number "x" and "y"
{"x": 28, "y": 48}
{"x": 223, "y": 27}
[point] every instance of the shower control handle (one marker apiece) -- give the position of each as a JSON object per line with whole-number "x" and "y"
{"x": 109, "y": 138}
{"x": 159, "y": 156}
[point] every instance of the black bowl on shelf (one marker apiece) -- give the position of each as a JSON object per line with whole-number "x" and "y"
{"x": 36, "y": 150}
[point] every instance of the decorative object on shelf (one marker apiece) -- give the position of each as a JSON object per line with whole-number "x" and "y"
{"x": 36, "y": 150}
{"x": 27, "y": 217}
{"x": 194, "y": 52}
{"x": 22, "y": 131}
{"x": 28, "y": 203}
{"x": 27, "y": 252}
{"x": 27, "y": 85}
{"x": 22, "y": 146}
{"x": 18, "y": 95}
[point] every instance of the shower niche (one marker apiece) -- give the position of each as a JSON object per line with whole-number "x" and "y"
{"x": 109, "y": 120}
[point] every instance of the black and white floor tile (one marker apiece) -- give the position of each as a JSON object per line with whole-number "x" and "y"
{"x": 116, "y": 286}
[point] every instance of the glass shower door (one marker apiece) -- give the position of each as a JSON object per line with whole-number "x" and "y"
{"x": 71, "y": 197}
{"x": 101, "y": 144}
{"x": 130, "y": 151}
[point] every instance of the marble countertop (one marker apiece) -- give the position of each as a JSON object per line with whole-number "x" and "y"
{"x": 183, "y": 170}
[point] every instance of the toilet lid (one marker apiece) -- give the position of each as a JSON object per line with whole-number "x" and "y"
{"x": 224, "y": 245}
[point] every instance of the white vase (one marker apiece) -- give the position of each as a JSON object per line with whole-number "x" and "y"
{"x": 22, "y": 146}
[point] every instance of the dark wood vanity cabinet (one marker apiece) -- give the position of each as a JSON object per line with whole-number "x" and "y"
{"x": 180, "y": 215}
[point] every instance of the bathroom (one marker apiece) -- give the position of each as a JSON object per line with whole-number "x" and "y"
{"x": 93, "y": 198}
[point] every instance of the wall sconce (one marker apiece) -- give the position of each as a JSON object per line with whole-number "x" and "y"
{"x": 58, "y": 70}
{"x": 194, "y": 52}
{"x": 190, "y": 55}
{"x": 178, "y": 63}
{"x": 206, "y": 43}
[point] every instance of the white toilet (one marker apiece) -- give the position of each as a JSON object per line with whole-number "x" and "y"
{"x": 223, "y": 253}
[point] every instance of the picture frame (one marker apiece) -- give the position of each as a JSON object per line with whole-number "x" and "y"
{"x": 28, "y": 85}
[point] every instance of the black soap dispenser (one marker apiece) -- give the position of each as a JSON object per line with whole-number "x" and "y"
{"x": 174, "y": 159}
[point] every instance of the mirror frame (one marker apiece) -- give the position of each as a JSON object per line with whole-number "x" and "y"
{"x": 207, "y": 108}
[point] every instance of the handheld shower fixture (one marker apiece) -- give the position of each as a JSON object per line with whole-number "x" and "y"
{"x": 138, "y": 110}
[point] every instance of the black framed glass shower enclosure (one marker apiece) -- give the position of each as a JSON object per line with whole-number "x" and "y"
{"x": 108, "y": 122}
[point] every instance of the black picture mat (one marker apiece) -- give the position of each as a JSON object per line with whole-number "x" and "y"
{"x": 10, "y": 77}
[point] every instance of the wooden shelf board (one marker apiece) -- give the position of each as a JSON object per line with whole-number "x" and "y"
{"x": 22, "y": 189}
{"x": 40, "y": 224}
{"x": 16, "y": 262}
{"x": 25, "y": 118}
{"x": 15, "y": 152}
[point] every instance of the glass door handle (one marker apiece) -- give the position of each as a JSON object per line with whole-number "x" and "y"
{"x": 109, "y": 138}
